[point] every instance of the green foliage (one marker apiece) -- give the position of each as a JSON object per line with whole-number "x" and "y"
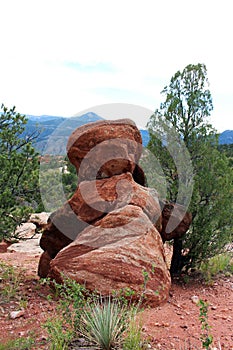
{"x": 206, "y": 337}
{"x": 58, "y": 337}
{"x": 72, "y": 298}
{"x": 58, "y": 181}
{"x": 103, "y": 323}
{"x": 133, "y": 338}
{"x": 69, "y": 179}
{"x": 18, "y": 344}
{"x": 222, "y": 263}
{"x": 18, "y": 171}
{"x": 228, "y": 151}
{"x": 182, "y": 120}
{"x": 10, "y": 282}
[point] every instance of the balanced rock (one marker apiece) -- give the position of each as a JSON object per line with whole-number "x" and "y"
{"x": 108, "y": 235}
{"x": 105, "y": 148}
{"x": 115, "y": 254}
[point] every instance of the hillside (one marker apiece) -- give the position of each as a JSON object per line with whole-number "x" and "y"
{"x": 55, "y": 130}
{"x": 226, "y": 137}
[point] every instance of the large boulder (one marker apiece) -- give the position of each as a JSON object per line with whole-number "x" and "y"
{"x": 91, "y": 201}
{"x": 122, "y": 250}
{"x": 94, "y": 199}
{"x": 105, "y": 148}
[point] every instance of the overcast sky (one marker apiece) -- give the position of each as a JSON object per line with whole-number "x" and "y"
{"x": 63, "y": 57}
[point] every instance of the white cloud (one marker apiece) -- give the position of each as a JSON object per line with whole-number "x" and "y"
{"x": 60, "y": 57}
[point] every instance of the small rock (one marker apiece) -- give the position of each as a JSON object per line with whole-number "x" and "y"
{"x": 17, "y": 314}
{"x": 3, "y": 247}
{"x": 184, "y": 326}
{"x": 195, "y": 299}
{"x": 166, "y": 324}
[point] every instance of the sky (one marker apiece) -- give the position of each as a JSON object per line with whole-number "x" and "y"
{"x": 65, "y": 57}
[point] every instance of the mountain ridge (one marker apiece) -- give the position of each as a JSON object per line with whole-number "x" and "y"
{"x": 55, "y": 130}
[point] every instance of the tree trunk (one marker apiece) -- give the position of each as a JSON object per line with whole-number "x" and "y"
{"x": 177, "y": 261}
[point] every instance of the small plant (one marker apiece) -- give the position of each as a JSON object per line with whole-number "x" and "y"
{"x": 18, "y": 344}
{"x": 145, "y": 278}
{"x": 57, "y": 336}
{"x": 10, "y": 281}
{"x": 206, "y": 337}
{"x": 222, "y": 263}
{"x": 103, "y": 323}
{"x": 124, "y": 296}
{"x": 133, "y": 339}
{"x": 72, "y": 298}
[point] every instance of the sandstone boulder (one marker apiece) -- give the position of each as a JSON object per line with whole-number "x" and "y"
{"x": 105, "y": 148}
{"x": 39, "y": 219}
{"x": 117, "y": 253}
{"x": 91, "y": 201}
{"x": 25, "y": 230}
{"x": 179, "y": 219}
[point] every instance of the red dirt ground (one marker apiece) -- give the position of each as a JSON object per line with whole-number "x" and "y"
{"x": 167, "y": 327}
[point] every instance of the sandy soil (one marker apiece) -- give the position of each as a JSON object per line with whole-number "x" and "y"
{"x": 167, "y": 327}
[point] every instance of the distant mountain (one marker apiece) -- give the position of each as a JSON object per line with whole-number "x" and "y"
{"x": 55, "y": 131}
{"x": 226, "y": 137}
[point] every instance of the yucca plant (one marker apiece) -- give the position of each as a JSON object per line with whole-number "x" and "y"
{"x": 103, "y": 324}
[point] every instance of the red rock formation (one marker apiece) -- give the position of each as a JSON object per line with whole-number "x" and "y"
{"x": 115, "y": 254}
{"x": 179, "y": 220}
{"x": 104, "y": 148}
{"x": 108, "y": 235}
{"x": 91, "y": 201}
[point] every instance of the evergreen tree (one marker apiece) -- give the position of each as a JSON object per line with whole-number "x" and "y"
{"x": 19, "y": 167}
{"x": 180, "y": 127}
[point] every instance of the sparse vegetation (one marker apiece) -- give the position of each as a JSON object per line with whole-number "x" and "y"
{"x": 103, "y": 323}
{"x": 19, "y": 344}
{"x": 10, "y": 280}
{"x": 206, "y": 337}
{"x": 221, "y": 263}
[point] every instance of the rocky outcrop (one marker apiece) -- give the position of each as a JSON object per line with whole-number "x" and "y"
{"x": 114, "y": 254}
{"x": 91, "y": 201}
{"x": 109, "y": 234}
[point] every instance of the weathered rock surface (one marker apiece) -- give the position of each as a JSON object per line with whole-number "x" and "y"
{"x": 105, "y": 148}
{"x": 3, "y": 246}
{"x": 39, "y": 219}
{"x": 44, "y": 265}
{"x": 181, "y": 220}
{"x": 25, "y": 230}
{"x": 113, "y": 254}
{"x": 93, "y": 200}
{"x": 109, "y": 235}
{"x": 29, "y": 246}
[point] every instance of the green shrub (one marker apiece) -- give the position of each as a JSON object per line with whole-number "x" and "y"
{"x": 58, "y": 337}
{"x": 222, "y": 263}
{"x": 103, "y": 323}
{"x": 133, "y": 339}
{"x": 10, "y": 281}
